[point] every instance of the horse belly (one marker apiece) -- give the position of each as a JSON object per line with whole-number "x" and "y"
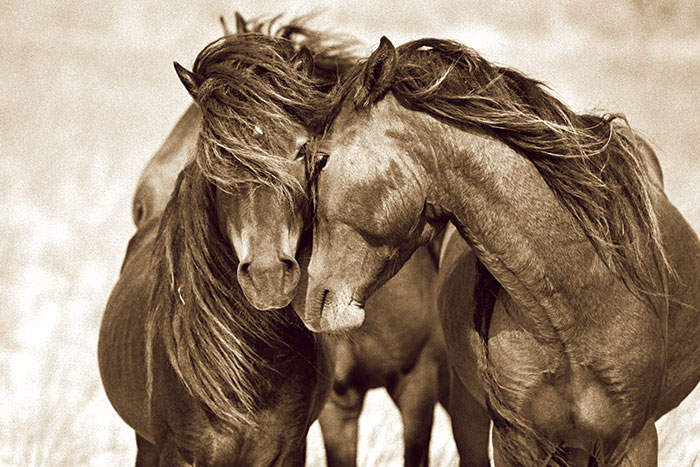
{"x": 401, "y": 318}
{"x": 121, "y": 345}
{"x": 457, "y": 306}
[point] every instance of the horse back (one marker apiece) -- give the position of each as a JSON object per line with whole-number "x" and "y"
{"x": 121, "y": 346}
{"x": 157, "y": 179}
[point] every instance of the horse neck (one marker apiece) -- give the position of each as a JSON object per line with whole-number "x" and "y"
{"x": 517, "y": 227}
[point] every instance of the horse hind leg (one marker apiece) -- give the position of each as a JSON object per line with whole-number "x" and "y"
{"x": 415, "y": 394}
{"x": 339, "y": 425}
{"x": 146, "y": 453}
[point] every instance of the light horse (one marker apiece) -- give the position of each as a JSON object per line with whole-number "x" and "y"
{"x": 584, "y": 324}
{"x": 409, "y": 363}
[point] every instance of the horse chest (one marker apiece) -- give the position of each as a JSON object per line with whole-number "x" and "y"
{"x": 548, "y": 385}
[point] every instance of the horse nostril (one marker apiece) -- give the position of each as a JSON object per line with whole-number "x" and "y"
{"x": 243, "y": 268}
{"x": 289, "y": 264}
{"x": 340, "y": 388}
{"x": 324, "y": 295}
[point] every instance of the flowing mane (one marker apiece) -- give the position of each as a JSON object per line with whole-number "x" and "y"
{"x": 218, "y": 345}
{"x": 592, "y": 163}
{"x": 252, "y": 97}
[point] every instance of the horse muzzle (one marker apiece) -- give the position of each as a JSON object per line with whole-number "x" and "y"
{"x": 269, "y": 286}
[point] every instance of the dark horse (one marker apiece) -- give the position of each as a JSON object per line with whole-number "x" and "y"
{"x": 407, "y": 363}
{"x": 582, "y": 328}
{"x": 202, "y": 376}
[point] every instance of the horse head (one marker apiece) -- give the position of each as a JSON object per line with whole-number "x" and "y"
{"x": 248, "y": 149}
{"x": 371, "y": 209}
{"x": 264, "y": 226}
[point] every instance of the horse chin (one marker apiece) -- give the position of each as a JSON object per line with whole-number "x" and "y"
{"x": 266, "y": 303}
{"x": 341, "y": 318}
{"x": 333, "y": 313}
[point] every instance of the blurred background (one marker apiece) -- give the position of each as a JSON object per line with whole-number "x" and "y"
{"x": 89, "y": 93}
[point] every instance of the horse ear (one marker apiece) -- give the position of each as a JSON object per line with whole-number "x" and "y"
{"x": 224, "y": 26}
{"x": 189, "y": 79}
{"x": 241, "y": 25}
{"x": 303, "y": 61}
{"x": 378, "y": 74}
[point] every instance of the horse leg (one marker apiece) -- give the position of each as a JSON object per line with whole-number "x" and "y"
{"x": 339, "y": 423}
{"x": 146, "y": 453}
{"x": 470, "y": 425}
{"x": 170, "y": 455}
{"x": 415, "y": 394}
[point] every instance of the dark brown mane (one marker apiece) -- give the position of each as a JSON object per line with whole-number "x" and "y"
{"x": 252, "y": 98}
{"x": 592, "y": 163}
{"x": 334, "y": 54}
{"x": 222, "y": 349}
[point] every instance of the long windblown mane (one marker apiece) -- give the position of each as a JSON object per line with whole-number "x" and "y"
{"x": 252, "y": 98}
{"x": 593, "y": 164}
{"x": 223, "y": 350}
{"x": 334, "y": 54}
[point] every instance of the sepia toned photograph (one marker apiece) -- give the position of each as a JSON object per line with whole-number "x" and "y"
{"x": 327, "y": 233}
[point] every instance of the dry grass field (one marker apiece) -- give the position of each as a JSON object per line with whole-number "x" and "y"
{"x": 88, "y": 94}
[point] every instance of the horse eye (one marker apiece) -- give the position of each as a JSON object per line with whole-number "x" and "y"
{"x": 322, "y": 161}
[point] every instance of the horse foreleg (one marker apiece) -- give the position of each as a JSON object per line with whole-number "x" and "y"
{"x": 170, "y": 455}
{"x": 339, "y": 424}
{"x": 470, "y": 425}
{"x": 146, "y": 453}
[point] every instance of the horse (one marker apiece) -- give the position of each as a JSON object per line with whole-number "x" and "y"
{"x": 580, "y": 327}
{"x": 201, "y": 375}
{"x": 410, "y": 365}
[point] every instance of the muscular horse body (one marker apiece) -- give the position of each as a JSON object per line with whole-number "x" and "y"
{"x": 580, "y": 300}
